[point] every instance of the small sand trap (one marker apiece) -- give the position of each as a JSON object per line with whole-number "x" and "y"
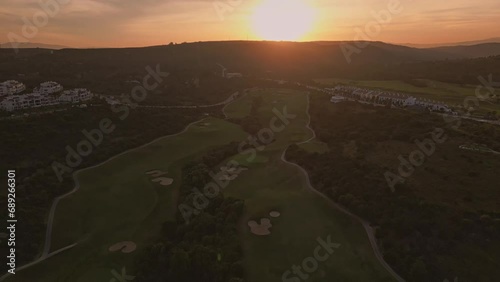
{"x": 165, "y": 181}
{"x": 125, "y": 247}
{"x": 262, "y": 229}
{"x": 156, "y": 173}
{"x": 274, "y": 214}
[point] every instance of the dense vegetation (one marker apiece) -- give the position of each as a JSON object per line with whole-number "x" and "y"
{"x": 107, "y": 71}
{"x": 208, "y": 247}
{"x": 429, "y": 226}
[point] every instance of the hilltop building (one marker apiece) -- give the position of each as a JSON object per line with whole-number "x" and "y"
{"x": 75, "y": 96}
{"x": 382, "y": 97}
{"x": 44, "y": 96}
{"x": 337, "y": 99}
{"x": 229, "y": 75}
{"x": 48, "y": 87}
{"x": 11, "y": 87}
{"x": 33, "y": 100}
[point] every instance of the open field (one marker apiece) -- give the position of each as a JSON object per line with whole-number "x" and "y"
{"x": 452, "y": 94}
{"x": 304, "y": 216}
{"x": 117, "y": 201}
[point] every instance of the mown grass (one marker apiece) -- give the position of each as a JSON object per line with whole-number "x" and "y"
{"x": 277, "y": 186}
{"x": 118, "y": 202}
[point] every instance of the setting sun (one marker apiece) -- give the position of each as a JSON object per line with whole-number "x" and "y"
{"x": 283, "y": 19}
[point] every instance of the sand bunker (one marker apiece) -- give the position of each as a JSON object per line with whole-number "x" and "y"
{"x": 274, "y": 214}
{"x": 156, "y": 173}
{"x": 261, "y": 229}
{"x": 124, "y": 247}
{"x": 165, "y": 181}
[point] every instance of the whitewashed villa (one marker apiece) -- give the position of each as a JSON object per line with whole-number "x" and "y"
{"x": 11, "y": 87}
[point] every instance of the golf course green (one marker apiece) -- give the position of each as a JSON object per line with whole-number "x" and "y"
{"x": 119, "y": 202}
{"x": 304, "y": 216}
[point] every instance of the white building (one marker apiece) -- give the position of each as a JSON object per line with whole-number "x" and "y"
{"x": 382, "y": 97}
{"x": 33, "y": 100}
{"x": 75, "y": 96}
{"x": 337, "y": 99}
{"x": 48, "y": 87}
{"x": 233, "y": 75}
{"x": 10, "y": 87}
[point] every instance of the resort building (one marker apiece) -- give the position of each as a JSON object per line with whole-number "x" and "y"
{"x": 48, "y": 87}
{"x": 230, "y": 75}
{"x": 75, "y": 96}
{"x": 337, "y": 99}
{"x": 33, "y": 100}
{"x": 385, "y": 98}
{"x": 11, "y": 87}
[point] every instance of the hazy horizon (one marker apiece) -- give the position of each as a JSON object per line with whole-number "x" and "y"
{"x": 126, "y": 23}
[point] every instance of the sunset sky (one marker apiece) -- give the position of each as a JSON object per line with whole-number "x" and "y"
{"x": 119, "y": 23}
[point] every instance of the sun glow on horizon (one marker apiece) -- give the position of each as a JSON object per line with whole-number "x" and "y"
{"x": 283, "y": 19}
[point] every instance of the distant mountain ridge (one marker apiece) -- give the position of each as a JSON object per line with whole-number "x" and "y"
{"x": 373, "y": 61}
{"x": 471, "y": 51}
{"x": 464, "y": 43}
{"x": 374, "y": 51}
{"x": 28, "y": 45}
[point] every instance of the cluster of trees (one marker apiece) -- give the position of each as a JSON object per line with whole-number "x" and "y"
{"x": 208, "y": 247}
{"x": 421, "y": 239}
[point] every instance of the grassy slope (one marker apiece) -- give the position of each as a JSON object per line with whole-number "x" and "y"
{"x": 274, "y": 185}
{"x": 117, "y": 202}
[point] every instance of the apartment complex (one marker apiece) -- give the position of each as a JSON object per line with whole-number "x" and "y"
{"x": 11, "y": 87}
{"x": 33, "y": 100}
{"x": 45, "y": 95}
{"x": 48, "y": 87}
{"x": 381, "y": 97}
{"x": 75, "y": 96}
